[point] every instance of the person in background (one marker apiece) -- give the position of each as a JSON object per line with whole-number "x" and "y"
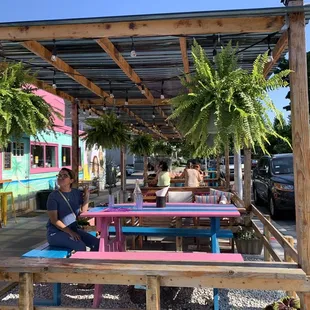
{"x": 197, "y": 167}
{"x": 163, "y": 176}
{"x": 192, "y": 176}
{"x": 63, "y": 207}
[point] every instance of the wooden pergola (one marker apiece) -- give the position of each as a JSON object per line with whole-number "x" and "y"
{"x": 93, "y": 61}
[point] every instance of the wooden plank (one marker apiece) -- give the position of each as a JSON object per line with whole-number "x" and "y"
{"x": 268, "y": 236}
{"x": 44, "y": 53}
{"x": 275, "y": 233}
{"x": 152, "y": 293}
{"x": 300, "y": 135}
{"x": 278, "y": 50}
{"x": 189, "y": 26}
{"x": 119, "y": 102}
{"x": 183, "y": 47}
{"x": 60, "y": 308}
{"x": 75, "y": 142}
{"x": 9, "y": 277}
{"x": 117, "y": 57}
{"x": 287, "y": 258}
{"x": 25, "y": 301}
{"x": 267, "y": 246}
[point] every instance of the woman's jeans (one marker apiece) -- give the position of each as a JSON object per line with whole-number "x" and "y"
{"x": 64, "y": 240}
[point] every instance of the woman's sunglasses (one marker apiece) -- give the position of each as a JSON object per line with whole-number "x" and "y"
{"x": 62, "y": 176}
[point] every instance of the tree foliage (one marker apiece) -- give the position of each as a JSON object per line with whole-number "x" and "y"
{"x": 107, "y": 131}
{"x": 21, "y": 110}
{"x": 234, "y": 99}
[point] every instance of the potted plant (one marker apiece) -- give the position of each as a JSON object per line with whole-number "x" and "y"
{"x": 247, "y": 241}
{"x": 286, "y": 303}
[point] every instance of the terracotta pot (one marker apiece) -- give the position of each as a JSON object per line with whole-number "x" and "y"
{"x": 252, "y": 246}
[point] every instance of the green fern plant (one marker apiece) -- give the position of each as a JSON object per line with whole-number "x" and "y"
{"x": 235, "y": 100}
{"x": 107, "y": 131}
{"x": 21, "y": 110}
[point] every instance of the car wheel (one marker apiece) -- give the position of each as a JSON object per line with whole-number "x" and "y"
{"x": 257, "y": 199}
{"x": 274, "y": 211}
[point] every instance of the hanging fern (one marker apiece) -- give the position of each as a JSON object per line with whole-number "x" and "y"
{"x": 107, "y": 131}
{"x": 21, "y": 110}
{"x": 237, "y": 100}
{"x": 142, "y": 145}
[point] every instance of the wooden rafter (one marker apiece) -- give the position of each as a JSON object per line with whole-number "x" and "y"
{"x": 189, "y": 26}
{"x": 117, "y": 57}
{"x": 183, "y": 47}
{"x": 45, "y": 54}
{"x": 277, "y": 52}
{"x": 132, "y": 102}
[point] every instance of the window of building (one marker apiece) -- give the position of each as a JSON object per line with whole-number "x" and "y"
{"x": 66, "y": 156}
{"x": 7, "y": 157}
{"x": 43, "y": 156}
{"x": 18, "y": 149}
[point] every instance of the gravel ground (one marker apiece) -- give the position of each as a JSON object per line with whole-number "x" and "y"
{"x": 171, "y": 298}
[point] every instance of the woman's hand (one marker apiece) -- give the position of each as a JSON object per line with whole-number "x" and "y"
{"x": 75, "y": 236}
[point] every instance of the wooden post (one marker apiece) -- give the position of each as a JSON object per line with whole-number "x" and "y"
{"x": 267, "y": 234}
{"x": 227, "y": 170}
{"x": 300, "y": 138}
{"x": 123, "y": 174}
{"x": 145, "y": 170}
{"x": 178, "y": 240}
{"x": 287, "y": 258}
{"x": 247, "y": 177}
{"x": 25, "y": 291}
{"x": 75, "y": 141}
{"x": 152, "y": 293}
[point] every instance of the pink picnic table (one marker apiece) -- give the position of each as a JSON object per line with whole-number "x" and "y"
{"x": 105, "y": 216}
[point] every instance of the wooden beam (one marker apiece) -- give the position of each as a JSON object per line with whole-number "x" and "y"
{"x": 152, "y": 293}
{"x": 189, "y": 26}
{"x": 44, "y": 53}
{"x": 25, "y": 300}
{"x": 277, "y": 52}
{"x": 300, "y": 136}
{"x": 243, "y": 275}
{"x": 183, "y": 47}
{"x": 75, "y": 142}
{"x": 120, "y": 102}
{"x": 117, "y": 57}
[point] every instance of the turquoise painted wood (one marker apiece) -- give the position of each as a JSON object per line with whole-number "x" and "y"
{"x": 47, "y": 251}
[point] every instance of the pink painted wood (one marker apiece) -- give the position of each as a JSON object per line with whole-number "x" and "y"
{"x": 161, "y": 256}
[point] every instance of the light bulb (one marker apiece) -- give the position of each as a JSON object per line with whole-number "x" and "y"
{"x": 104, "y": 108}
{"x": 84, "y": 112}
{"x": 167, "y": 124}
{"x": 214, "y": 54}
{"x": 162, "y": 96}
{"x": 153, "y": 115}
{"x": 142, "y": 90}
{"x": 126, "y": 102}
{"x": 54, "y": 85}
{"x": 133, "y": 53}
{"x": 53, "y": 58}
{"x": 111, "y": 95}
{"x": 118, "y": 116}
{"x": 270, "y": 57}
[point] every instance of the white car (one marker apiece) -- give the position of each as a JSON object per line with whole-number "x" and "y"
{"x": 231, "y": 166}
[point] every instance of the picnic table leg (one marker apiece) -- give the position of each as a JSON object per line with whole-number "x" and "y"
{"x": 179, "y": 240}
{"x": 103, "y": 226}
{"x": 120, "y": 238}
{"x": 215, "y": 227}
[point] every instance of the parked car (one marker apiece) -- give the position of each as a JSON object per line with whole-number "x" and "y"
{"x": 273, "y": 182}
{"x": 231, "y": 167}
{"x": 129, "y": 170}
{"x": 254, "y": 163}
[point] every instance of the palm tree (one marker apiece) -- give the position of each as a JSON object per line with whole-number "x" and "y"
{"x": 142, "y": 145}
{"x": 21, "y": 110}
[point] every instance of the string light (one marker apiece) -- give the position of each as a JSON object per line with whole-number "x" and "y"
{"x": 142, "y": 90}
{"x": 54, "y": 52}
{"x": 270, "y": 57}
{"x": 54, "y": 85}
{"x": 89, "y": 111}
{"x": 118, "y": 115}
{"x": 167, "y": 124}
{"x": 84, "y": 112}
{"x": 153, "y": 115}
{"x": 111, "y": 90}
{"x": 126, "y": 100}
{"x": 214, "y": 53}
{"x": 104, "y": 107}
{"x": 162, "y": 96}
{"x": 133, "y": 53}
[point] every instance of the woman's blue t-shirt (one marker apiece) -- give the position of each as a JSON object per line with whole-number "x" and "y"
{"x": 56, "y": 202}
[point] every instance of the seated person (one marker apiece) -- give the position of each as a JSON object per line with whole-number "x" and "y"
{"x": 192, "y": 176}
{"x": 63, "y": 207}
{"x": 163, "y": 176}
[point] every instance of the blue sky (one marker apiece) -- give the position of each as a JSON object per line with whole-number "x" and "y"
{"x": 21, "y": 10}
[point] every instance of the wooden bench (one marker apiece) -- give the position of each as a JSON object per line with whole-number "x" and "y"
{"x": 157, "y": 257}
{"x": 47, "y": 251}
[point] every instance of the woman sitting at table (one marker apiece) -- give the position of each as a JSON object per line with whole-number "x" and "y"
{"x": 192, "y": 176}
{"x": 63, "y": 207}
{"x": 163, "y": 176}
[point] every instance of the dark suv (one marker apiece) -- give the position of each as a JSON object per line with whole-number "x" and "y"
{"x": 273, "y": 182}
